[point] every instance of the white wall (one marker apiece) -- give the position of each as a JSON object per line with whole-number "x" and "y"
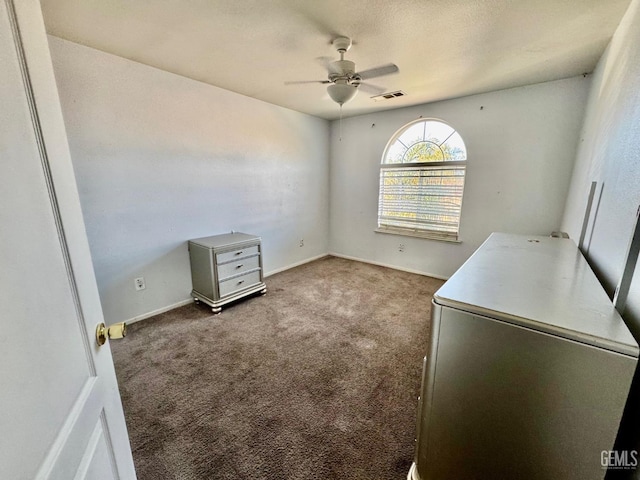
{"x": 160, "y": 159}
{"x": 521, "y": 146}
{"x": 609, "y": 154}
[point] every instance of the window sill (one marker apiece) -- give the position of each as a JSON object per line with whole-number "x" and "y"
{"x": 409, "y": 233}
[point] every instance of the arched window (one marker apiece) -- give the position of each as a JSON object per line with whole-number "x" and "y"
{"x": 422, "y": 181}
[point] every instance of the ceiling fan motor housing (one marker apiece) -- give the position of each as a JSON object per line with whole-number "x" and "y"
{"x": 341, "y": 68}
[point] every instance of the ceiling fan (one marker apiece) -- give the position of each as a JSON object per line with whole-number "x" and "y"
{"x": 343, "y": 79}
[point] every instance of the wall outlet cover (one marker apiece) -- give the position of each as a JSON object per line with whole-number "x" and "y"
{"x": 139, "y": 283}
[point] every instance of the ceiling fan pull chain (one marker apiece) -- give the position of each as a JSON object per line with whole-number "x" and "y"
{"x": 340, "y": 122}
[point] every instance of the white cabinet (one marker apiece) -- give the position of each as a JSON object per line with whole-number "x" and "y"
{"x": 225, "y": 268}
{"x": 528, "y": 369}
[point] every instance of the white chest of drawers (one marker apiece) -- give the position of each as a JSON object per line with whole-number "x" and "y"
{"x": 225, "y": 268}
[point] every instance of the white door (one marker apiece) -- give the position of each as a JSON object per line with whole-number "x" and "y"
{"x": 60, "y": 410}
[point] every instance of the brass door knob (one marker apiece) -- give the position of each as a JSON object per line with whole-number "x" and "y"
{"x": 115, "y": 331}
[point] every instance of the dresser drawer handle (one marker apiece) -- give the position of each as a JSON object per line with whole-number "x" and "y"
{"x": 240, "y": 282}
{"x": 239, "y": 253}
{"x": 240, "y": 266}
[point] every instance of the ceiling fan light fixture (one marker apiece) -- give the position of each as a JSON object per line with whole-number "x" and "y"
{"x": 341, "y": 92}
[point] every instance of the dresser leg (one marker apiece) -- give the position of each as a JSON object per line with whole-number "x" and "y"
{"x": 216, "y": 310}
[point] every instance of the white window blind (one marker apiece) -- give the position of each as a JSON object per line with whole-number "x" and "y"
{"x": 422, "y": 197}
{"x": 422, "y": 181}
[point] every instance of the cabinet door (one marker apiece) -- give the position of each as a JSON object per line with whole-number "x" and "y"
{"x": 510, "y": 402}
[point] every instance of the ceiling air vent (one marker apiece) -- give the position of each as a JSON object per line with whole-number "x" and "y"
{"x": 389, "y": 95}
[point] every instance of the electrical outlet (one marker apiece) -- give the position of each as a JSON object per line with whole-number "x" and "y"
{"x": 302, "y": 243}
{"x": 401, "y": 247}
{"x": 139, "y": 283}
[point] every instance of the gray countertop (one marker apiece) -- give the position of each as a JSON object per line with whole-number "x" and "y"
{"x": 542, "y": 283}
{"x": 223, "y": 240}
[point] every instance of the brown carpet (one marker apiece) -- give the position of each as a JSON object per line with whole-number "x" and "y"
{"x": 315, "y": 380}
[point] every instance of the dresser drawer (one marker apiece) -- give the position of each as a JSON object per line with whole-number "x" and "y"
{"x": 238, "y": 266}
{"x": 236, "y": 284}
{"x": 236, "y": 254}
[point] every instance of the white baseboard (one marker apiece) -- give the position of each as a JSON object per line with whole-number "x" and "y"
{"x": 190, "y": 300}
{"x": 144, "y": 316}
{"x": 395, "y": 267}
{"x": 278, "y": 270}
{"x": 297, "y": 264}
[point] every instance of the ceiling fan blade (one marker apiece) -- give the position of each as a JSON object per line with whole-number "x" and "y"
{"x": 374, "y": 89}
{"x": 298, "y": 82}
{"x": 378, "y": 71}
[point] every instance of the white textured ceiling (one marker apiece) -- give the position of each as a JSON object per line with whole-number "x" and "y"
{"x": 444, "y": 48}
